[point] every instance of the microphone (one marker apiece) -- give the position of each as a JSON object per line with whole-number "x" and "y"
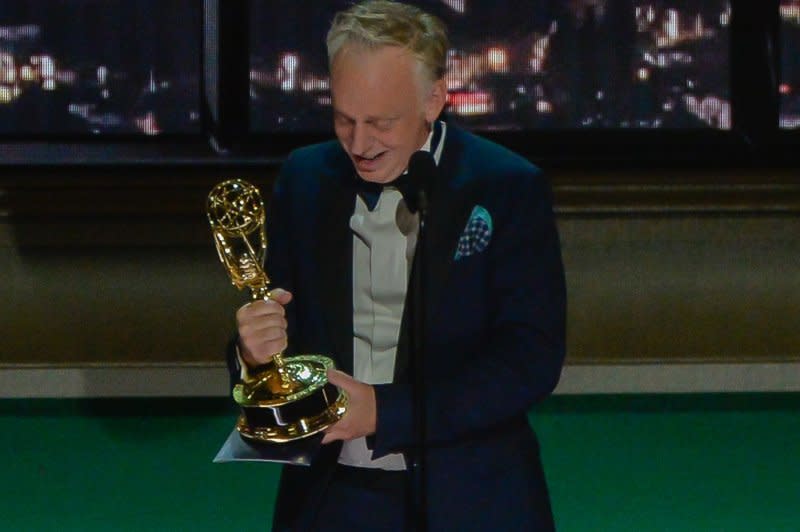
{"x": 422, "y": 171}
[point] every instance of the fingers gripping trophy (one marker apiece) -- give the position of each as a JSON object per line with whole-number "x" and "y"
{"x": 291, "y": 397}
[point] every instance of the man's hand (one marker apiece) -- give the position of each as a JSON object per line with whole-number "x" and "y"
{"x": 361, "y": 415}
{"x": 262, "y": 328}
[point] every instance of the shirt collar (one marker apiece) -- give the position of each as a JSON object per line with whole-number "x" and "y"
{"x": 435, "y": 139}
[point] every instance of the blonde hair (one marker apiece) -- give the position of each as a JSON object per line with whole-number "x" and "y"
{"x": 377, "y": 23}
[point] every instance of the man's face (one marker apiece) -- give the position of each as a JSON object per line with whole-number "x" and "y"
{"x": 382, "y": 108}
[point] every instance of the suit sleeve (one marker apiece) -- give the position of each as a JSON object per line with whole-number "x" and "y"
{"x": 521, "y": 358}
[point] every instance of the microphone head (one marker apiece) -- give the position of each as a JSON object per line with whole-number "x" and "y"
{"x": 422, "y": 172}
{"x": 422, "y": 166}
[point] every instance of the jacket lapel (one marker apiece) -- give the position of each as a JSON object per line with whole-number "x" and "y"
{"x": 334, "y": 259}
{"x": 452, "y": 200}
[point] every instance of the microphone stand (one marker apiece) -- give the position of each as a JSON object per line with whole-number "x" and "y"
{"x": 419, "y": 514}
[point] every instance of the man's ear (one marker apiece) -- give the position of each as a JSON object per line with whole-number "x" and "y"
{"x": 437, "y": 98}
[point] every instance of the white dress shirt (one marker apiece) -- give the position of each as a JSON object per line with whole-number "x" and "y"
{"x": 384, "y": 241}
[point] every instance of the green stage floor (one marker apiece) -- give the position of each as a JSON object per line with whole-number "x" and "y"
{"x": 639, "y": 463}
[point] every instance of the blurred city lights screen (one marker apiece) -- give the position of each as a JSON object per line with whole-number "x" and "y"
{"x": 789, "y": 88}
{"x": 521, "y": 65}
{"x": 99, "y": 67}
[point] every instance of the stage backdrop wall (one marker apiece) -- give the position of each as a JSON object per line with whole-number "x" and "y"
{"x": 111, "y": 266}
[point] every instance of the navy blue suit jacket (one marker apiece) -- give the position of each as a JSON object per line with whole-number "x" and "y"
{"x": 494, "y": 332}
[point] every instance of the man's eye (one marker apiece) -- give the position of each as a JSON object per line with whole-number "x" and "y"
{"x": 342, "y": 121}
{"x": 384, "y": 125}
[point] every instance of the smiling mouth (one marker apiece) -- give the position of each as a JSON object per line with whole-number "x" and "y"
{"x": 366, "y": 160}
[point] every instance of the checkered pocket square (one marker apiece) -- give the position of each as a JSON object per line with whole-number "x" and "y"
{"x": 476, "y": 235}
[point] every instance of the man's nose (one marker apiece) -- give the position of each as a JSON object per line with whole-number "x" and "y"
{"x": 361, "y": 140}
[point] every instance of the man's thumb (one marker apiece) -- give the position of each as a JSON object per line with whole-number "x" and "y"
{"x": 337, "y": 378}
{"x": 281, "y": 296}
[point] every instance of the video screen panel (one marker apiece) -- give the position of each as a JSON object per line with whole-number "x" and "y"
{"x": 521, "y": 65}
{"x": 789, "y": 88}
{"x": 100, "y": 67}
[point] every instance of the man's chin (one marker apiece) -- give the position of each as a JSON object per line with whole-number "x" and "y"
{"x": 376, "y": 175}
{"x": 373, "y": 177}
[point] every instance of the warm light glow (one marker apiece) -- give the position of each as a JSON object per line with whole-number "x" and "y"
{"x": 8, "y": 69}
{"x": 790, "y": 12}
{"x": 540, "y": 49}
{"x": 6, "y": 94}
{"x": 26, "y": 73}
{"x": 471, "y": 103}
{"x": 498, "y": 59}
{"x": 148, "y": 124}
{"x": 544, "y": 107}
{"x": 313, "y": 84}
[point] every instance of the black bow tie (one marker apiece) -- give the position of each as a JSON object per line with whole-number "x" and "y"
{"x": 370, "y": 192}
{"x": 422, "y": 163}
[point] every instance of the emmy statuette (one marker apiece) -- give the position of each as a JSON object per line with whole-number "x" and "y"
{"x": 290, "y": 398}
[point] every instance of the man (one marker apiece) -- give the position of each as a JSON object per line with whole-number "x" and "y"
{"x": 341, "y": 252}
